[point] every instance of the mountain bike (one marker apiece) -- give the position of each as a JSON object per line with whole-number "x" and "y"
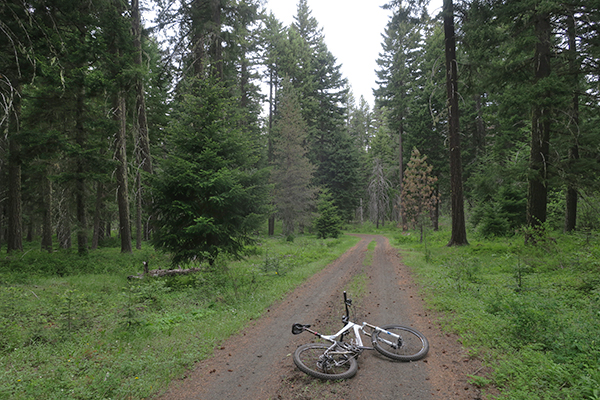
{"x": 337, "y": 359}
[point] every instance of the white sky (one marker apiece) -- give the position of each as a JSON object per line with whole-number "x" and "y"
{"x": 352, "y": 30}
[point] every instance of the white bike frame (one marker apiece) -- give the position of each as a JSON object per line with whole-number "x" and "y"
{"x": 359, "y": 347}
{"x": 357, "y": 328}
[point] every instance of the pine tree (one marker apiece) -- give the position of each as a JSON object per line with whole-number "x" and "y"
{"x": 323, "y": 96}
{"x": 292, "y": 172}
{"x": 458, "y": 235}
{"x": 209, "y": 195}
{"x": 398, "y": 83}
{"x": 328, "y": 223}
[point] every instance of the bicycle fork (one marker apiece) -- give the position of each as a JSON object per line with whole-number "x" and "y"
{"x": 398, "y": 339}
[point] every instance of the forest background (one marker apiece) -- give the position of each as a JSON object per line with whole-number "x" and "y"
{"x": 113, "y": 132}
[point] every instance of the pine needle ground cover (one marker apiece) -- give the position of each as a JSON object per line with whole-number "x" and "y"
{"x": 531, "y": 312}
{"x": 74, "y": 327}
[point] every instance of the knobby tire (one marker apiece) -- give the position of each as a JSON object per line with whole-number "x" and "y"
{"x": 307, "y": 356}
{"x": 411, "y": 346}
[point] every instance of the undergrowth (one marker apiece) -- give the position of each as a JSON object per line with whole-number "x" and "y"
{"x": 74, "y": 327}
{"x": 531, "y": 312}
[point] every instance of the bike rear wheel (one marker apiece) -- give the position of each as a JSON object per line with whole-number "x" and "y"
{"x": 311, "y": 359}
{"x": 411, "y": 346}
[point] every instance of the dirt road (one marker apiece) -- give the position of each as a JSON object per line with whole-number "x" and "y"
{"x": 257, "y": 363}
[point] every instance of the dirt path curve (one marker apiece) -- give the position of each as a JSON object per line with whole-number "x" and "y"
{"x": 257, "y": 363}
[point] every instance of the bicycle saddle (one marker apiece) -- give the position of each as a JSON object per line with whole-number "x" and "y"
{"x": 299, "y": 328}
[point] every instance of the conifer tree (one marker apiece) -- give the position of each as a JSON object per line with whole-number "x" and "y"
{"x": 209, "y": 195}
{"x": 328, "y": 223}
{"x": 292, "y": 172}
{"x": 419, "y": 190}
{"x": 323, "y": 96}
{"x": 458, "y": 234}
{"x": 398, "y": 83}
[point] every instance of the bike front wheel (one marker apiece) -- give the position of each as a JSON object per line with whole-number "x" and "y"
{"x": 311, "y": 359}
{"x": 411, "y": 345}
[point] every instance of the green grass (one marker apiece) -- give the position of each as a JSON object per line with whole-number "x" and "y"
{"x": 532, "y": 312}
{"x": 369, "y": 256}
{"x": 74, "y": 327}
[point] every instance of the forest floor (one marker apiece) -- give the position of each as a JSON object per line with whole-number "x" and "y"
{"x": 257, "y": 363}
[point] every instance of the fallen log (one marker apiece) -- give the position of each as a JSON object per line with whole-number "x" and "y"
{"x": 162, "y": 272}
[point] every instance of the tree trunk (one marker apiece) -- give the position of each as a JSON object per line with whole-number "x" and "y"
{"x": 402, "y": 215}
{"x": 459, "y": 232}
{"x": 80, "y": 139}
{"x": 537, "y": 195}
{"x": 98, "y": 230}
{"x": 63, "y": 229}
{"x": 435, "y": 211}
{"x": 14, "y": 234}
{"x": 14, "y": 237}
{"x": 572, "y": 196}
{"x": 121, "y": 175}
{"x": 142, "y": 138}
{"x": 271, "y": 228}
{"x": 138, "y": 210}
{"x": 216, "y": 48}
{"x": 479, "y": 138}
{"x": 47, "y": 212}
{"x": 30, "y": 226}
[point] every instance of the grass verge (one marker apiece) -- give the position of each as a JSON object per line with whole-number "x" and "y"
{"x": 531, "y": 312}
{"x": 74, "y": 327}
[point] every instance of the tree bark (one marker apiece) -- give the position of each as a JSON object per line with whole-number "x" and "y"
{"x": 537, "y": 195}
{"x": 14, "y": 237}
{"x": 479, "y": 138}
{"x": 459, "y": 232}
{"x": 47, "y": 212}
{"x": 401, "y": 214}
{"x": 572, "y": 195}
{"x": 97, "y": 234}
{"x": 272, "y": 75}
{"x": 63, "y": 229}
{"x": 142, "y": 138}
{"x": 121, "y": 175}
{"x": 80, "y": 140}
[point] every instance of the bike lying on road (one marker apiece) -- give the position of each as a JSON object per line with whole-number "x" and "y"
{"x": 337, "y": 359}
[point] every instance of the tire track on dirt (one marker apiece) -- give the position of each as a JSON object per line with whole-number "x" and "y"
{"x": 257, "y": 363}
{"x": 249, "y": 365}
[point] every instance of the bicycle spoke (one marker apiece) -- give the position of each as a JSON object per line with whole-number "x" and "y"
{"x": 314, "y": 359}
{"x": 410, "y": 346}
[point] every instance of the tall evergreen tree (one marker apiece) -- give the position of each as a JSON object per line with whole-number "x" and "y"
{"x": 18, "y": 26}
{"x": 397, "y": 80}
{"x": 272, "y": 44}
{"x": 459, "y": 231}
{"x": 292, "y": 171}
{"x": 209, "y": 196}
{"x": 323, "y": 93}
